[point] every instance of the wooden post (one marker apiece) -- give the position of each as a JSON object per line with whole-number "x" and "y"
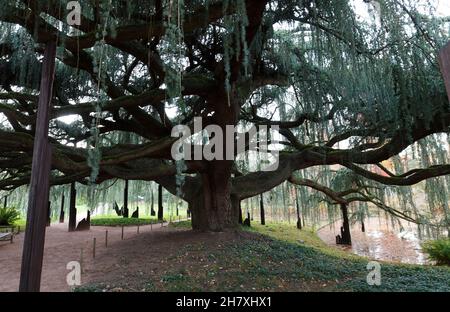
{"x": 5, "y": 202}
{"x": 61, "y": 213}
{"x": 106, "y": 239}
{"x": 33, "y": 246}
{"x": 138, "y": 229}
{"x": 72, "y": 208}
{"x": 93, "y": 247}
{"x": 122, "y": 232}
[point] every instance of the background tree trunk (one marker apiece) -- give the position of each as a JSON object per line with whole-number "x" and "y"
{"x": 49, "y": 213}
{"x": 261, "y": 207}
{"x": 125, "y": 200}
{"x": 61, "y": 212}
{"x": 152, "y": 209}
{"x": 160, "y": 203}
{"x": 73, "y": 208}
{"x": 345, "y": 231}
{"x": 299, "y": 218}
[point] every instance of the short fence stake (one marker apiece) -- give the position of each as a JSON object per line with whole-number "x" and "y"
{"x": 93, "y": 248}
{"x": 106, "y": 238}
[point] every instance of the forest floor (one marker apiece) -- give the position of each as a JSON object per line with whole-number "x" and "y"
{"x": 277, "y": 257}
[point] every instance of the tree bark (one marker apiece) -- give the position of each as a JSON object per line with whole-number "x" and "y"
{"x": 61, "y": 213}
{"x": 160, "y": 203}
{"x": 49, "y": 213}
{"x": 240, "y": 221}
{"x": 152, "y": 209}
{"x": 261, "y": 207}
{"x": 299, "y": 218}
{"x": 345, "y": 230}
{"x": 215, "y": 208}
{"x": 33, "y": 246}
{"x": 125, "y": 200}
{"x": 73, "y": 208}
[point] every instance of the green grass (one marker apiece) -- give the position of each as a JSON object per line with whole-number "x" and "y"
{"x": 22, "y": 223}
{"x": 186, "y": 224}
{"x": 119, "y": 221}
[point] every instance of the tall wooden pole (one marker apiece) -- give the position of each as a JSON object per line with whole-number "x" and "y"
{"x": 33, "y": 246}
{"x": 6, "y": 202}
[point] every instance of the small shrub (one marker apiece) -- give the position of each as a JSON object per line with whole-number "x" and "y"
{"x": 438, "y": 250}
{"x": 8, "y": 216}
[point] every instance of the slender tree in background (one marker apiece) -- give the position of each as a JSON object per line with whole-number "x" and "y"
{"x": 125, "y": 212}
{"x": 261, "y": 209}
{"x": 33, "y": 246}
{"x": 61, "y": 211}
{"x": 160, "y": 203}
{"x": 297, "y": 205}
{"x": 152, "y": 211}
{"x": 72, "y": 208}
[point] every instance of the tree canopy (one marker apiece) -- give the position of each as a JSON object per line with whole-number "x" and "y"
{"x": 345, "y": 89}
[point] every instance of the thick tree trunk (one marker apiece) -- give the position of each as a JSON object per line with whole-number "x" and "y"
{"x": 263, "y": 212}
{"x": 160, "y": 203}
{"x": 215, "y": 208}
{"x": 73, "y": 208}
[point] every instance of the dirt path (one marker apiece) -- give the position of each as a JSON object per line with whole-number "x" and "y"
{"x": 61, "y": 247}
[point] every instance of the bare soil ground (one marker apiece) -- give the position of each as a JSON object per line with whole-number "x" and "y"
{"x": 177, "y": 259}
{"x": 61, "y": 247}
